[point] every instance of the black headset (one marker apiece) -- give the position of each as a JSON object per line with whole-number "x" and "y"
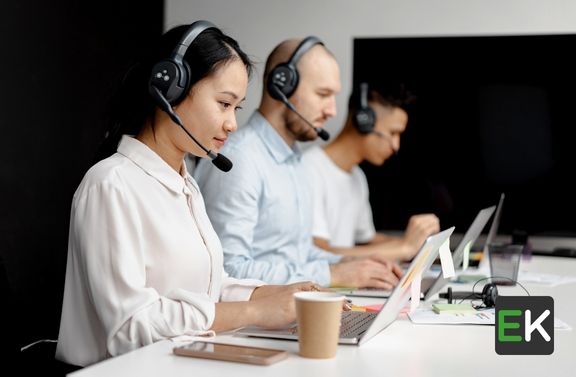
{"x": 170, "y": 81}
{"x": 364, "y": 118}
{"x": 488, "y": 296}
{"x": 489, "y": 292}
{"x": 171, "y": 76}
{"x": 283, "y": 79}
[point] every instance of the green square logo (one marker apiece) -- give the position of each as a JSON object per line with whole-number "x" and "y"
{"x": 524, "y": 325}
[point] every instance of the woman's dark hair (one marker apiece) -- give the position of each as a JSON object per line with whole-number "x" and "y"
{"x": 132, "y": 104}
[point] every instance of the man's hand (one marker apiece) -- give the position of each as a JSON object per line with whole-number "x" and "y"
{"x": 373, "y": 271}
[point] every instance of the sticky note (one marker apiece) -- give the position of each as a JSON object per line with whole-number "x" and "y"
{"x": 373, "y": 307}
{"x": 415, "y": 291}
{"x": 453, "y": 308}
{"x": 446, "y": 260}
{"x": 367, "y": 308}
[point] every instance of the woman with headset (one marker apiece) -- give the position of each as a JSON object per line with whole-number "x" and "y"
{"x": 144, "y": 263}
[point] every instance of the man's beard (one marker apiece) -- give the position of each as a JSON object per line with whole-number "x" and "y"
{"x": 300, "y": 130}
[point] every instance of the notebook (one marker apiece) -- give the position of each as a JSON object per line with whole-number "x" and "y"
{"x": 359, "y": 327}
{"x": 431, "y": 285}
{"x": 434, "y": 285}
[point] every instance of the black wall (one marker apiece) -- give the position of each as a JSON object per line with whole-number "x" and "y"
{"x": 493, "y": 114}
{"x": 60, "y": 62}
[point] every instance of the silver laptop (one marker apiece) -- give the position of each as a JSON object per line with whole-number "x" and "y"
{"x": 366, "y": 292}
{"x": 359, "y": 327}
{"x": 434, "y": 285}
{"x": 431, "y": 285}
{"x": 379, "y": 292}
{"x": 484, "y": 265}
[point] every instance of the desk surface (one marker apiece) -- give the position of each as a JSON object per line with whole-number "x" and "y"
{"x": 402, "y": 349}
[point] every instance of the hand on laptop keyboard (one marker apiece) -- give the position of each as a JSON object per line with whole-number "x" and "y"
{"x": 373, "y": 271}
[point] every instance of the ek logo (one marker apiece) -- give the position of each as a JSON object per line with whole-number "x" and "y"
{"x": 524, "y": 325}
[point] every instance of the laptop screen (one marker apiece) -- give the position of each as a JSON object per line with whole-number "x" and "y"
{"x": 458, "y": 256}
{"x": 401, "y": 293}
{"x": 484, "y": 265}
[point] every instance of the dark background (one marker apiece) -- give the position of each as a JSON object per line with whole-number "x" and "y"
{"x": 493, "y": 114}
{"x": 60, "y": 63}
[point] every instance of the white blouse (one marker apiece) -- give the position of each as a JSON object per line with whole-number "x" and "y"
{"x": 144, "y": 262}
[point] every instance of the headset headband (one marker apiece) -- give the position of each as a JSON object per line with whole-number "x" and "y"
{"x": 363, "y": 95}
{"x": 195, "y": 29}
{"x": 304, "y": 46}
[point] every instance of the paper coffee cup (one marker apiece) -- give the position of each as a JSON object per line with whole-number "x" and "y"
{"x": 319, "y": 316}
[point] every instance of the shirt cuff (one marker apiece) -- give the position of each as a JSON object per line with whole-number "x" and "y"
{"x": 239, "y": 290}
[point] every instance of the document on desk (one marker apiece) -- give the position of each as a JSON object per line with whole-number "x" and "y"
{"x": 549, "y": 280}
{"x": 426, "y": 316}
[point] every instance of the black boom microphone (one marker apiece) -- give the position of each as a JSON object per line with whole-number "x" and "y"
{"x": 219, "y": 160}
{"x": 322, "y": 133}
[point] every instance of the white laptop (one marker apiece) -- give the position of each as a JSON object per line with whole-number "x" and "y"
{"x": 432, "y": 284}
{"x": 469, "y": 238}
{"x": 359, "y": 327}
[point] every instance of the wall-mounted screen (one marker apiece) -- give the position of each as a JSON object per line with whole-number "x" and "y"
{"x": 493, "y": 114}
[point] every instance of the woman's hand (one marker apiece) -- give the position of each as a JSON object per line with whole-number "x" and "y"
{"x": 267, "y": 290}
{"x": 269, "y": 306}
{"x": 274, "y": 305}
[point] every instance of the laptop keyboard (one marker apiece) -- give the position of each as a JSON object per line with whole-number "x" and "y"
{"x": 352, "y": 325}
{"x": 355, "y": 323}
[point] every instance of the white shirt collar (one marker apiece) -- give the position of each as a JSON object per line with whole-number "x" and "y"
{"x": 152, "y": 163}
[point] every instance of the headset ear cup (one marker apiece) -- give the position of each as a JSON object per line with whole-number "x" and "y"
{"x": 283, "y": 79}
{"x": 484, "y": 295}
{"x": 494, "y": 294}
{"x": 184, "y": 82}
{"x": 364, "y": 120}
{"x": 489, "y": 295}
{"x": 170, "y": 78}
{"x": 273, "y": 89}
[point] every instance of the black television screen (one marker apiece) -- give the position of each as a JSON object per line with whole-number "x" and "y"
{"x": 493, "y": 114}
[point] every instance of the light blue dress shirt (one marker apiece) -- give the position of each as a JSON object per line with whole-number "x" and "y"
{"x": 261, "y": 209}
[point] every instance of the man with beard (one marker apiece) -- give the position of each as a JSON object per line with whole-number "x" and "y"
{"x": 262, "y": 209}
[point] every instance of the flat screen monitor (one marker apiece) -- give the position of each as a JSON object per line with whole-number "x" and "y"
{"x": 493, "y": 114}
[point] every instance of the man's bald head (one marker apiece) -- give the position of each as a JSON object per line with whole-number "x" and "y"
{"x": 313, "y": 94}
{"x": 283, "y": 51}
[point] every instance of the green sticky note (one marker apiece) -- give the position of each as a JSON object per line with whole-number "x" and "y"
{"x": 453, "y": 308}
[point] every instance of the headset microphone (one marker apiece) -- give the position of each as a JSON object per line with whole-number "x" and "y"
{"x": 322, "y": 133}
{"x": 219, "y": 160}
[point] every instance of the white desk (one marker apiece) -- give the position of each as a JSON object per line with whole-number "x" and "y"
{"x": 402, "y": 349}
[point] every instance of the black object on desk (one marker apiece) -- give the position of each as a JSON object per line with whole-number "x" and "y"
{"x": 557, "y": 252}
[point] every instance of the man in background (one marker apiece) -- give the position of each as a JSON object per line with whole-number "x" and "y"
{"x": 262, "y": 208}
{"x": 342, "y": 215}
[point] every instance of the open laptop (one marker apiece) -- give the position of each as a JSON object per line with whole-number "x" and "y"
{"x": 359, "y": 327}
{"x": 484, "y": 265}
{"x": 432, "y": 284}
